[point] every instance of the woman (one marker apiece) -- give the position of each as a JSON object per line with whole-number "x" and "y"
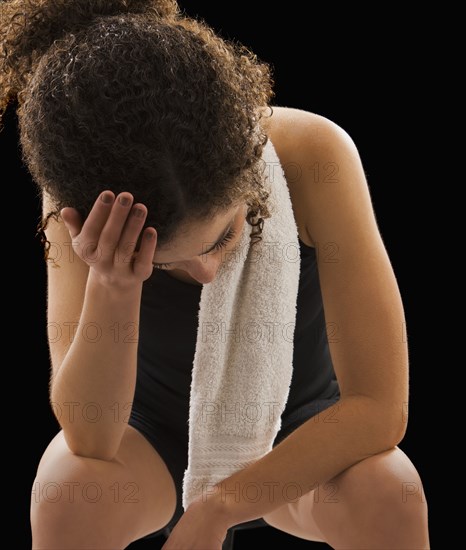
{"x": 145, "y": 133}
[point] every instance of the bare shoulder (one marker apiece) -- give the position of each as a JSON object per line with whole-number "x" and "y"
{"x": 309, "y": 147}
{"x": 295, "y": 131}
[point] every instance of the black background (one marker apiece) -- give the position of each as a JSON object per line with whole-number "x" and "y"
{"x": 366, "y": 78}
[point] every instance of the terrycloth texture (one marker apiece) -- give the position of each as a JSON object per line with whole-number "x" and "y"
{"x": 244, "y": 350}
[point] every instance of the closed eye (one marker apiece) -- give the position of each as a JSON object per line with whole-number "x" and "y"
{"x": 226, "y": 238}
{"x": 221, "y": 244}
{"x": 161, "y": 266}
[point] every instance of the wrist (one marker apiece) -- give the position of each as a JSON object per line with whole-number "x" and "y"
{"x": 219, "y": 509}
{"x": 118, "y": 289}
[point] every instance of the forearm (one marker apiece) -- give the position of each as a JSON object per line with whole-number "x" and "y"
{"x": 310, "y": 456}
{"x": 94, "y": 387}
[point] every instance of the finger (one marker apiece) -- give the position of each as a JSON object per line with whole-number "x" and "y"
{"x": 111, "y": 233}
{"x": 72, "y": 220}
{"x": 143, "y": 261}
{"x": 131, "y": 232}
{"x": 97, "y": 218}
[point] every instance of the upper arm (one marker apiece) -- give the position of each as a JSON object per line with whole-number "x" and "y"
{"x": 66, "y": 286}
{"x": 362, "y": 302}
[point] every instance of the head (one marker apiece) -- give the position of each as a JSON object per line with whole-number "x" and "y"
{"x": 130, "y": 95}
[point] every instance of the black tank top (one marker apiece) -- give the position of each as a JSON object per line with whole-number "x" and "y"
{"x": 167, "y": 342}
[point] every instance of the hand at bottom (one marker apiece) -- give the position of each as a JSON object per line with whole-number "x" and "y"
{"x": 197, "y": 529}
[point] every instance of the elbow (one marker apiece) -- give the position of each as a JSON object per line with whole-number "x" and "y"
{"x": 100, "y": 445}
{"x": 392, "y": 427}
{"x": 96, "y": 455}
{"x": 89, "y": 449}
{"x": 401, "y": 427}
{"x": 395, "y": 434}
{"x": 87, "y": 440}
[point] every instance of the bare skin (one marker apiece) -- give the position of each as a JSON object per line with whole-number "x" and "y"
{"x": 184, "y": 255}
{"x": 368, "y": 503}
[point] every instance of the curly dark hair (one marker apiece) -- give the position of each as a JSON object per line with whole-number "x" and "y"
{"x": 134, "y": 96}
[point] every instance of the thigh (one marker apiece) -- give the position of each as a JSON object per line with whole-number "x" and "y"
{"x": 135, "y": 489}
{"x": 298, "y": 518}
{"x": 373, "y": 484}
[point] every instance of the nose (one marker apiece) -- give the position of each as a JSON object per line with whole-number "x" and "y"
{"x": 204, "y": 269}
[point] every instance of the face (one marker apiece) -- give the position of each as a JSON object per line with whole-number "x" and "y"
{"x": 201, "y": 247}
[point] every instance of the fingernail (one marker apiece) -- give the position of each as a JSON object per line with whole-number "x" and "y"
{"x": 138, "y": 212}
{"x": 124, "y": 201}
{"x": 107, "y": 198}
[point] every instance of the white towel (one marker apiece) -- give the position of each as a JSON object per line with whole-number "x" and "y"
{"x": 242, "y": 365}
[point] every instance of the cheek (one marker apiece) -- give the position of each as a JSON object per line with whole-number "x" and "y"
{"x": 242, "y": 218}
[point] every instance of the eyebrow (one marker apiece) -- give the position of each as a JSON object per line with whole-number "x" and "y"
{"x": 219, "y": 240}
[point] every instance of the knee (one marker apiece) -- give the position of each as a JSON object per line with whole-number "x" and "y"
{"x": 387, "y": 486}
{"x": 68, "y": 496}
{"x": 63, "y": 484}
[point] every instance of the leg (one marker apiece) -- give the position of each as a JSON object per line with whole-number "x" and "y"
{"x": 378, "y": 503}
{"x": 85, "y": 503}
